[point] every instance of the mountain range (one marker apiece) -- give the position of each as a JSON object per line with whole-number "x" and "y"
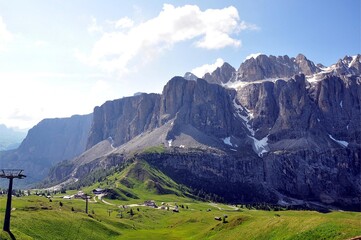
{"x": 279, "y": 129}
{"x": 10, "y": 138}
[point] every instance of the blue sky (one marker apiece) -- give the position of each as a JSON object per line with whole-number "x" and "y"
{"x": 59, "y": 58}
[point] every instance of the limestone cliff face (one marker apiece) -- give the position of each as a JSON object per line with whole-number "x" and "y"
{"x": 330, "y": 177}
{"x": 125, "y": 118}
{"x": 338, "y": 99}
{"x": 207, "y": 107}
{"x": 289, "y": 129}
{"x": 296, "y": 110}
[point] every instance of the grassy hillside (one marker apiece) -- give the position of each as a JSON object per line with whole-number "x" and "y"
{"x": 36, "y": 218}
{"x": 122, "y": 215}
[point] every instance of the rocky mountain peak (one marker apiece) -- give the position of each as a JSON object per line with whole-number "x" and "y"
{"x": 190, "y": 76}
{"x": 349, "y": 65}
{"x": 265, "y": 67}
{"x": 221, "y": 75}
{"x": 306, "y": 66}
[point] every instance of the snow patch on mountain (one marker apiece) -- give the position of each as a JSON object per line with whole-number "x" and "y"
{"x": 227, "y": 141}
{"x": 260, "y": 146}
{"x": 342, "y": 143}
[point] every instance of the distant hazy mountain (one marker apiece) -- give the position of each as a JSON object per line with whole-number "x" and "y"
{"x": 10, "y": 138}
{"x": 47, "y": 143}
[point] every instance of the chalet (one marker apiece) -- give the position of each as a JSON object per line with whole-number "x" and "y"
{"x": 98, "y": 191}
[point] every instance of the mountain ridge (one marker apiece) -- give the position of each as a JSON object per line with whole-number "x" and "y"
{"x": 282, "y": 133}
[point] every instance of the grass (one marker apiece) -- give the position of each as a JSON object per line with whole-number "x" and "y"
{"x": 36, "y": 217}
{"x": 155, "y": 149}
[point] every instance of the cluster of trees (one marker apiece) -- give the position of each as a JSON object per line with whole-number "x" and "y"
{"x": 205, "y": 196}
{"x": 273, "y": 207}
{"x": 98, "y": 175}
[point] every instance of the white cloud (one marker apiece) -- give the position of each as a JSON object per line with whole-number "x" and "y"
{"x": 248, "y": 26}
{"x": 124, "y": 23}
{"x": 27, "y": 98}
{"x": 207, "y": 68}
{"x": 94, "y": 26}
{"x": 253, "y": 55}
{"x": 40, "y": 43}
{"x": 127, "y": 44}
{"x": 5, "y": 35}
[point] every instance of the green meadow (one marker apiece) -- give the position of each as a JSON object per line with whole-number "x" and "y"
{"x": 35, "y": 217}
{"x": 119, "y": 215}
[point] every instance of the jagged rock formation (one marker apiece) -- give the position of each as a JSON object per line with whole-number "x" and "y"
{"x": 305, "y": 128}
{"x": 278, "y": 128}
{"x": 221, "y": 75}
{"x": 124, "y": 119}
{"x": 205, "y": 107}
{"x": 264, "y": 67}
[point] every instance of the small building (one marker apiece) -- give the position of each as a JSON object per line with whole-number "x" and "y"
{"x": 98, "y": 191}
{"x": 80, "y": 194}
{"x": 150, "y": 203}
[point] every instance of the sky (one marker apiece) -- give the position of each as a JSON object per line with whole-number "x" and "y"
{"x": 60, "y": 57}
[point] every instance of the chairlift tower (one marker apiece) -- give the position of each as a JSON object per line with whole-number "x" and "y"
{"x": 86, "y": 197}
{"x": 10, "y": 174}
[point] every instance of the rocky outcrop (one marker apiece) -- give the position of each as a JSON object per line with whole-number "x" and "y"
{"x": 338, "y": 99}
{"x": 190, "y": 76}
{"x": 331, "y": 177}
{"x": 235, "y": 179}
{"x": 348, "y": 66}
{"x": 123, "y": 119}
{"x": 224, "y": 74}
{"x": 280, "y": 134}
{"x": 266, "y": 67}
{"x": 207, "y": 107}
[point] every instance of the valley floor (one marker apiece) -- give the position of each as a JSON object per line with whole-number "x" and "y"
{"x": 36, "y": 217}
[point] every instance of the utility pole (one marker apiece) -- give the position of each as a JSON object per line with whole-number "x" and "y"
{"x": 10, "y": 174}
{"x": 86, "y": 203}
{"x": 109, "y": 211}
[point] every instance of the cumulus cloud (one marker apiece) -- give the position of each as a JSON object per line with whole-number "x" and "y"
{"x": 128, "y": 42}
{"x": 40, "y": 43}
{"x": 123, "y": 23}
{"x": 207, "y": 68}
{"x": 94, "y": 26}
{"x": 253, "y": 55}
{"x": 5, "y": 35}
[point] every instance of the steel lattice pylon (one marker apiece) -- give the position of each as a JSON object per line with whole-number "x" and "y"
{"x": 10, "y": 174}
